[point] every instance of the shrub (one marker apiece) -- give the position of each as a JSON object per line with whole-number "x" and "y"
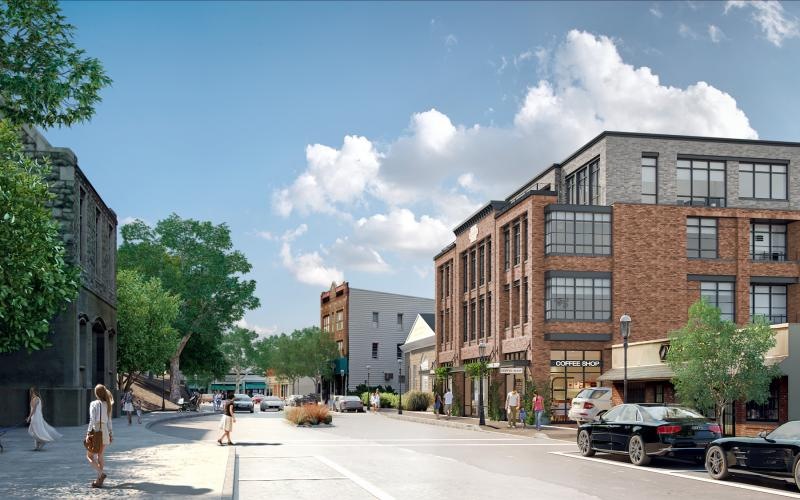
{"x": 417, "y": 400}
{"x": 388, "y": 400}
{"x": 312, "y": 414}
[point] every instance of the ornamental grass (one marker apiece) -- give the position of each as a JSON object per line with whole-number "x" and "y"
{"x": 308, "y": 414}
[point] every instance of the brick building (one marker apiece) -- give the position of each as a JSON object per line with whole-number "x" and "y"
{"x": 637, "y": 224}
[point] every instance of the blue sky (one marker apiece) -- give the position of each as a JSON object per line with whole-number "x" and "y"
{"x": 345, "y": 141}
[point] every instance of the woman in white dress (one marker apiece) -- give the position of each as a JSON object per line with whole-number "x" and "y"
{"x": 41, "y": 432}
{"x": 127, "y": 405}
{"x": 100, "y": 420}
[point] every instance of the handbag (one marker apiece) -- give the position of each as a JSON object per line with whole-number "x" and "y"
{"x": 94, "y": 439}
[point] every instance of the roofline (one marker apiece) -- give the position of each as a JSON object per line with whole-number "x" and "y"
{"x": 444, "y": 250}
{"x": 534, "y": 179}
{"x": 391, "y": 293}
{"x": 482, "y": 212}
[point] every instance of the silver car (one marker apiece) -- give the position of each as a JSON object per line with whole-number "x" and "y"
{"x": 348, "y": 403}
{"x": 590, "y": 403}
{"x": 272, "y": 403}
{"x": 242, "y": 402}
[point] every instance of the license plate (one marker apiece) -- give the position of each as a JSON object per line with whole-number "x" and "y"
{"x": 699, "y": 428}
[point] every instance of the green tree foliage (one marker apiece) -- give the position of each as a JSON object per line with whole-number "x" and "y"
{"x": 44, "y": 79}
{"x": 239, "y": 350}
{"x": 305, "y": 353}
{"x": 196, "y": 261}
{"x": 716, "y": 363}
{"x": 145, "y": 314}
{"x": 35, "y": 280}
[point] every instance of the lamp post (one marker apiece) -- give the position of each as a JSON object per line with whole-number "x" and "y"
{"x": 400, "y": 381}
{"x": 368, "y": 391}
{"x": 625, "y": 330}
{"x": 482, "y": 351}
{"x": 344, "y": 386}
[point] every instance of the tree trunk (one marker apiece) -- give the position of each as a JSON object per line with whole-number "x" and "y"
{"x": 129, "y": 381}
{"x": 175, "y": 367}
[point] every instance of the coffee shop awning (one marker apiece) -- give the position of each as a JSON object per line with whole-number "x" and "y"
{"x": 651, "y": 372}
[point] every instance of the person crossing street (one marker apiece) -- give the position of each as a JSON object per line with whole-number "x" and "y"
{"x": 512, "y": 407}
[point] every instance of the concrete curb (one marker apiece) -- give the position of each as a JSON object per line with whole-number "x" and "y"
{"x": 229, "y": 485}
{"x": 429, "y": 421}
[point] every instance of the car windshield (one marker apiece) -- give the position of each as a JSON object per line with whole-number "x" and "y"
{"x": 670, "y": 412}
{"x": 272, "y": 398}
{"x": 789, "y": 430}
{"x": 242, "y": 397}
{"x": 352, "y": 398}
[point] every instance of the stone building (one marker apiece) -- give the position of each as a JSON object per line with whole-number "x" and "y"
{"x": 83, "y": 351}
{"x": 637, "y": 224}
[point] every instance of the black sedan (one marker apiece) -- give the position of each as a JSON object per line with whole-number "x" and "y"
{"x": 775, "y": 455}
{"x": 643, "y": 431}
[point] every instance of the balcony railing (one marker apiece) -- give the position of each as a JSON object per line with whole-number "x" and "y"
{"x": 769, "y": 256}
{"x": 701, "y": 201}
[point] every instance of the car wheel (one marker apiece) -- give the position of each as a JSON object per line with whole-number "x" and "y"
{"x": 251, "y": 410}
{"x": 797, "y": 471}
{"x": 636, "y": 451}
{"x": 717, "y": 463}
{"x": 585, "y": 443}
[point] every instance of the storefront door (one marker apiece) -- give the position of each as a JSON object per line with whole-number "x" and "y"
{"x": 570, "y": 373}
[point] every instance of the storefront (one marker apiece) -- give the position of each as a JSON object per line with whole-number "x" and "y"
{"x": 570, "y": 373}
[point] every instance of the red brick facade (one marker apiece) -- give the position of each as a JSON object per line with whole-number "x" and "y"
{"x": 333, "y": 303}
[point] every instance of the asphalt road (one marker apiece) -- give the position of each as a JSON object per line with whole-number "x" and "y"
{"x": 371, "y": 456}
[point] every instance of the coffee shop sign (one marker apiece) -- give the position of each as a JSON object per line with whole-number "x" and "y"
{"x": 575, "y": 363}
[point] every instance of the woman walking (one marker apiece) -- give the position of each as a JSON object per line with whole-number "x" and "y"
{"x": 127, "y": 405}
{"x": 100, "y": 421}
{"x": 41, "y": 432}
{"x": 226, "y": 424}
{"x": 437, "y": 405}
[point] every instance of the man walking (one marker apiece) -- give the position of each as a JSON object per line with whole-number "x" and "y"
{"x": 448, "y": 402}
{"x": 512, "y": 406}
{"x": 538, "y": 409}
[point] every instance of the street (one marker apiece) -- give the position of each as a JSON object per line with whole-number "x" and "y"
{"x": 372, "y": 456}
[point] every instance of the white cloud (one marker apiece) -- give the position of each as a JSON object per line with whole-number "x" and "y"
{"x": 262, "y": 331}
{"x": 422, "y": 272}
{"x": 466, "y": 181}
{"x": 433, "y": 130}
{"x": 266, "y": 235}
{"x": 127, "y": 220}
{"x": 350, "y": 255}
{"x": 686, "y": 32}
{"x": 400, "y": 230}
{"x": 450, "y": 41}
{"x": 716, "y": 34}
{"x": 308, "y": 268}
{"x": 656, "y": 12}
{"x": 776, "y": 23}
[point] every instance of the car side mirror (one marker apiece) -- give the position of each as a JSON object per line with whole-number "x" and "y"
{"x": 762, "y": 434}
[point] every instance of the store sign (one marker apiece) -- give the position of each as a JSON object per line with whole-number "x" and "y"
{"x": 586, "y": 363}
{"x": 512, "y": 369}
{"x": 493, "y": 365}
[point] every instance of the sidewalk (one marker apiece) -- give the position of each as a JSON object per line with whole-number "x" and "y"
{"x": 565, "y": 432}
{"x": 139, "y": 463}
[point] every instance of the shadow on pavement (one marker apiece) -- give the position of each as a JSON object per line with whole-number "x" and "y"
{"x": 240, "y": 443}
{"x": 160, "y": 489}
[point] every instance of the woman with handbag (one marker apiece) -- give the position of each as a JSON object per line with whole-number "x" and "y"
{"x": 226, "y": 424}
{"x": 99, "y": 434}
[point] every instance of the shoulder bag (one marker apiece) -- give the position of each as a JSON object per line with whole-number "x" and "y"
{"x": 94, "y": 439}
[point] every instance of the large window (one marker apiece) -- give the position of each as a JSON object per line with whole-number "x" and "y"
{"x": 768, "y": 241}
{"x": 489, "y": 261}
{"x": 701, "y": 238}
{"x": 762, "y": 181}
{"x": 375, "y": 320}
{"x": 768, "y": 301}
{"x": 464, "y": 275}
{"x": 767, "y": 412}
{"x": 374, "y": 350}
{"x": 507, "y": 248}
{"x": 472, "y": 320}
{"x": 583, "y": 186}
{"x": 701, "y": 182}
{"x": 482, "y": 264}
{"x": 721, "y": 296}
{"x": 340, "y": 320}
{"x": 516, "y": 244}
{"x": 649, "y": 179}
{"x": 582, "y": 233}
{"x": 481, "y": 318}
{"x": 326, "y": 323}
{"x": 464, "y": 322}
{"x": 525, "y": 300}
{"x": 568, "y": 298}
{"x": 472, "y": 269}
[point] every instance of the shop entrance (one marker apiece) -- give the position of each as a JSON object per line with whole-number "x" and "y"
{"x": 570, "y": 373}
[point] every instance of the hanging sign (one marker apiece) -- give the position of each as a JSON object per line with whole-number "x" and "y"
{"x": 512, "y": 369}
{"x": 575, "y": 363}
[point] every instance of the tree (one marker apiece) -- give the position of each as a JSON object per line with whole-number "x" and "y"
{"x": 196, "y": 261}
{"x": 239, "y": 351}
{"x": 146, "y": 338}
{"x": 716, "y": 363}
{"x": 44, "y": 79}
{"x": 318, "y": 352}
{"x": 35, "y": 280}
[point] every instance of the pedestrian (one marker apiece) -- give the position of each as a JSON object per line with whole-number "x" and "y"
{"x": 448, "y": 402}
{"x": 41, "y": 432}
{"x": 100, "y": 421}
{"x": 538, "y": 409}
{"x": 523, "y": 416}
{"x": 376, "y": 401}
{"x": 437, "y": 405}
{"x": 512, "y": 406}
{"x": 226, "y": 424}
{"x": 127, "y": 404}
{"x": 137, "y": 405}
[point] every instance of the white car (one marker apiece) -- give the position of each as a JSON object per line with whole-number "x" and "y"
{"x": 348, "y": 403}
{"x": 590, "y": 403}
{"x": 272, "y": 402}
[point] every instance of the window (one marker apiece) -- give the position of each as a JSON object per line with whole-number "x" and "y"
{"x": 658, "y": 397}
{"x": 464, "y": 323}
{"x": 472, "y": 269}
{"x": 482, "y": 265}
{"x": 582, "y": 233}
{"x": 568, "y": 298}
{"x": 98, "y": 242}
{"x": 489, "y": 261}
{"x": 507, "y": 248}
{"x": 768, "y": 301}
{"x": 400, "y": 320}
{"x": 447, "y": 279}
{"x": 515, "y": 304}
{"x": 374, "y": 350}
{"x": 375, "y": 320}
{"x": 399, "y": 352}
{"x": 768, "y": 241}
{"x": 489, "y": 315}
{"x": 516, "y": 244}
{"x": 340, "y": 347}
{"x": 701, "y": 238}
{"x": 701, "y": 182}
{"x": 81, "y": 228}
{"x": 583, "y": 186}
{"x": 525, "y": 300}
{"x": 481, "y": 318}
{"x": 721, "y": 296}
{"x": 649, "y": 179}
{"x": 464, "y": 259}
{"x": 326, "y": 323}
{"x": 762, "y": 181}
{"x": 768, "y": 412}
{"x": 340, "y": 320}
{"x": 441, "y": 282}
{"x": 472, "y": 320}
{"x": 525, "y": 239}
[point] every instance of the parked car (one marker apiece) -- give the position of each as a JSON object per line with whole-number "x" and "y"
{"x": 643, "y": 431}
{"x": 775, "y": 454}
{"x": 243, "y": 402}
{"x": 590, "y": 403}
{"x": 272, "y": 403}
{"x": 348, "y": 403}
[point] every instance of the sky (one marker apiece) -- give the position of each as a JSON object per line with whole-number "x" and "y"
{"x": 345, "y": 141}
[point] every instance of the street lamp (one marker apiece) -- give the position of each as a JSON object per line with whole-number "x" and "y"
{"x": 400, "y": 381}
{"x": 625, "y": 330}
{"x": 344, "y": 386}
{"x": 481, "y": 419}
{"x": 368, "y": 379}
